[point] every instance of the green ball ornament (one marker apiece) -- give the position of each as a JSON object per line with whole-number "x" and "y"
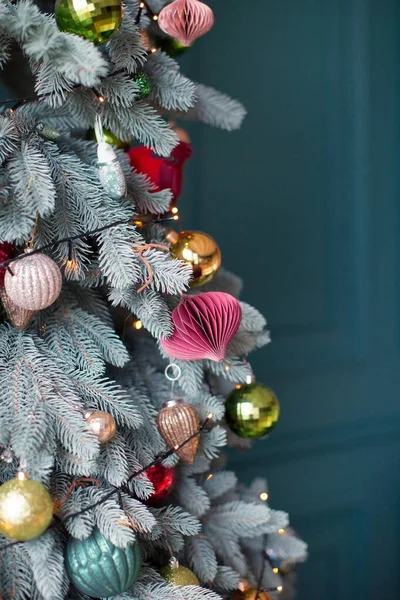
{"x": 110, "y": 138}
{"x": 95, "y": 20}
{"x": 252, "y": 410}
{"x": 143, "y": 82}
{"x": 171, "y": 46}
{"x": 178, "y": 575}
{"x": 98, "y": 568}
{"x": 26, "y": 509}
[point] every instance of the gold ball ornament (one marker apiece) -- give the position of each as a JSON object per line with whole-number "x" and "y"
{"x": 102, "y": 424}
{"x": 95, "y": 20}
{"x": 34, "y": 282}
{"x": 178, "y": 575}
{"x": 252, "y": 410}
{"x": 198, "y": 250}
{"x": 26, "y": 509}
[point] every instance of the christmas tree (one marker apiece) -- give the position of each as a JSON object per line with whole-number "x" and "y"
{"x": 123, "y": 345}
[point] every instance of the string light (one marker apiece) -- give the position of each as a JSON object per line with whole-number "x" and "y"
{"x": 210, "y": 476}
{"x": 281, "y": 531}
{"x": 155, "y": 17}
{"x": 264, "y": 496}
{"x": 174, "y": 210}
{"x": 275, "y": 570}
{"x": 279, "y": 588}
{"x": 138, "y": 324}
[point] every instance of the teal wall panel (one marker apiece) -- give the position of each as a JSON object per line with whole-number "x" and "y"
{"x": 304, "y": 202}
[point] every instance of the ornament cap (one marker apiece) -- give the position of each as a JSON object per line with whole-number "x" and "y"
{"x": 172, "y": 236}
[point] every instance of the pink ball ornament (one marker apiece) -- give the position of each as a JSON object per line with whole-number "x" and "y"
{"x": 35, "y": 282}
{"x": 186, "y": 20}
{"x": 203, "y": 326}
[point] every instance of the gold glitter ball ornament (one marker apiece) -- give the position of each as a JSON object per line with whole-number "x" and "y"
{"x": 198, "y": 250}
{"x": 176, "y": 422}
{"x": 34, "y": 282}
{"x": 95, "y": 20}
{"x": 177, "y": 575}
{"x": 102, "y": 424}
{"x": 26, "y": 509}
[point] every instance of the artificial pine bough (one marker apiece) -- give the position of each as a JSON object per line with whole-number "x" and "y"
{"x": 122, "y": 346}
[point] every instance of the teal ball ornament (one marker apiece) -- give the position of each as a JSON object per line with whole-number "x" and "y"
{"x": 98, "y": 568}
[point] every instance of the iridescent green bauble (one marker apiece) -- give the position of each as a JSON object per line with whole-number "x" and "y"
{"x": 110, "y": 138}
{"x": 26, "y": 509}
{"x": 252, "y": 410}
{"x": 95, "y": 20}
{"x": 144, "y": 84}
{"x": 98, "y": 568}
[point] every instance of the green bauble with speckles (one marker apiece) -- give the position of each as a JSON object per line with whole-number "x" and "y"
{"x": 98, "y": 568}
{"x": 252, "y": 410}
{"x": 95, "y": 20}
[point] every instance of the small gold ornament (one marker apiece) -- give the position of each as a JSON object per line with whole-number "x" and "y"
{"x": 177, "y": 575}
{"x": 102, "y": 424}
{"x": 251, "y": 594}
{"x": 176, "y": 422}
{"x": 19, "y": 317}
{"x": 197, "y": 250}
{"x": 26, "y": 508}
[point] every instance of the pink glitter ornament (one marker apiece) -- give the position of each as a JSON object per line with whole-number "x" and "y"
{"x": 186, "y": 20}
{"x": 203, "y": 326}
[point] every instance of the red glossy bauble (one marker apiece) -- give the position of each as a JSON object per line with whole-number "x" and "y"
{"x": 163, "y": 480}
{"x": 6, "y": 252}
{"x": 165, "y": 172}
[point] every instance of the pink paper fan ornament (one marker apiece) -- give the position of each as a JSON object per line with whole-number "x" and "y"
{"x": 203, "y": 326}
{"x": 186, "y": 20}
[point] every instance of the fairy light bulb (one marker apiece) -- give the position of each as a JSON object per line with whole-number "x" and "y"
{"x": 138, "y": 324}
{"x": 264, "y": 496}
{"x": 275, "y": 570}
{"x": 210, "y": 476}
{"x": 279, "y": 588}
{"x": 174, "y": 210}
{"x": 281, "y": 531}
{"x": 100, "y": 99}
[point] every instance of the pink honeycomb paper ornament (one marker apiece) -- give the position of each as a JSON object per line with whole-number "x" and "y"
{"x": 203, "y": 326}
{"x": 186, "y": 20}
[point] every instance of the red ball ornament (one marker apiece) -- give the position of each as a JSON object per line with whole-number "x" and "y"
{"x": 163, "y": 172}
{"x": 6, "y": 252}
{"x": 163, "y": 480}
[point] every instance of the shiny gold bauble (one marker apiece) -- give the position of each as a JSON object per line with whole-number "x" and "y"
{"x": 102, "y": 424}
{"x": 199, "y": 251}
{"x": 252, "y": 410}
{"x": 26, "y": 509}
{"x": 95, "y": 20}
{"x": 179, "y": 576}
{"x": 251, "y": 594}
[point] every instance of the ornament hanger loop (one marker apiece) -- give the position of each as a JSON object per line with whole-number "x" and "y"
{"x": 173, "y": 372}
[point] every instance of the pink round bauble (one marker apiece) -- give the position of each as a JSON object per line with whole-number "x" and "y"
{"x": 186, "y": 20}
{"x": 35, "y": 282}
{"x": 203, "y": 326}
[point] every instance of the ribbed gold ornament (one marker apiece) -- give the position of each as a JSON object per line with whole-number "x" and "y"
{"x": 19, "y": 317}
{"x": 176, "y": 422}
{"x": 102, "y": 424}
{"x": 177, "y": 575}
{"x": 198, "y": 250}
